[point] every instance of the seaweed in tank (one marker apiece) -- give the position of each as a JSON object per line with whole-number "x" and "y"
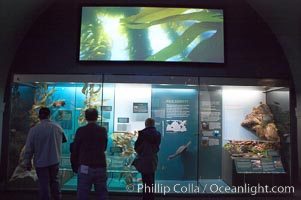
{"x": 126, "y": 142}
{"x": 42, "y": 97}
{"x": 19, "y": 121}
{"x": 92, "y": 94}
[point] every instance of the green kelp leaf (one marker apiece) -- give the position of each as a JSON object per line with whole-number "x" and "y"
{"x": 182, "y": 42}
{"x": 186, "y": 60}
{"x": 147, "y": 15}
{"x": 202, "y": 16}
{"x": 211, "y": 49}
{"x": 94, "y": 44}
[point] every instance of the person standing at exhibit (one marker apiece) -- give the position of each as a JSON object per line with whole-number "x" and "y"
{"x": 44, "y": 145}
{"x": 147, "y": 146}
{"x": 89, "y": 148}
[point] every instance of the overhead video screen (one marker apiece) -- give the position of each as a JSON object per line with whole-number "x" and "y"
{"x": 151, "y": 34}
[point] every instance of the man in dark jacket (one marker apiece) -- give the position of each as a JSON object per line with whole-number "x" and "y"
{"x": 147, "y": 147}
{"x": 89, "y": 147}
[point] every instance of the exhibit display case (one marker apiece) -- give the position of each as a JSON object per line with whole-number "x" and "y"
{"x": 213, "y": 129}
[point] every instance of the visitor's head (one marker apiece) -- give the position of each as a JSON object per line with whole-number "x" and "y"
{"x": 44, "y": 113}
{"x": 91, "y": 114}
{"x": 149, "y": 122}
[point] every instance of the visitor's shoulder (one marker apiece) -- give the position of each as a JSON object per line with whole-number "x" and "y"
{"x": 80, "y": 129}
{"x": 101, "y": 127}
{"x": 55, "y": 124}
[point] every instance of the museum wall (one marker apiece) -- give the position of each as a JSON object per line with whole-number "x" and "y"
{"x": 251, "y": 50}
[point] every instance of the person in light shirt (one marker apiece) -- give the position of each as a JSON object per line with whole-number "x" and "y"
{"x": 44, "y": 145}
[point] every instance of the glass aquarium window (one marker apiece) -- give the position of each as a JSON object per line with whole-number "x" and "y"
{"x": 67, "y": 102}
{"x": 151, "y": 34}
{"x": 175, "y": 111}
{"x": 209, "y": 130}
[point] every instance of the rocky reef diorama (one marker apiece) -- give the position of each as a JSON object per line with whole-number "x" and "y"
{"x": 259, "y": 121}
{"x": 21, "y": 121}
{"x": 250, "y": 149}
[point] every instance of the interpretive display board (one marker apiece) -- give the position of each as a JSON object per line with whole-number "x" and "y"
{"x": 210, "y": 123}
{"x": 175, "y": 112}
{"x": 259, "y": 165}
{"x": 140, "y": 108}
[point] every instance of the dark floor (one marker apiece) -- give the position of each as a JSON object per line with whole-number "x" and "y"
{"x": 114, "y": 197}
{"x": 68, "y": 195}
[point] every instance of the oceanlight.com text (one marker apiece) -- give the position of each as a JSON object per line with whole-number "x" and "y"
{"x": 211, "y": 188}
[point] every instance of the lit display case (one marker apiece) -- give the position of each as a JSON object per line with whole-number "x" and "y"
{"x": 214, "y": 130}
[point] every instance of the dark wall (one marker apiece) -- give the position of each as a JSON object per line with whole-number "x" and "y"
{"x": 251, "y": 50}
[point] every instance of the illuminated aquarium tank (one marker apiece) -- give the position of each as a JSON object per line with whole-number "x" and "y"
{"x": 198, "y": 124}
{"x": 67, "y": 103}
{"x": 151, "y": 34}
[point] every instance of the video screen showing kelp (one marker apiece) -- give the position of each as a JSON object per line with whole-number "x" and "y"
{"x": 152, "y": 34}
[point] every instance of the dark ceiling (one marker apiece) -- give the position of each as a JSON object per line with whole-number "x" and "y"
{"x": 283, "y": 17}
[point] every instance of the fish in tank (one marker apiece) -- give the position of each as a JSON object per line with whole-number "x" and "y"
{"x": 193, "y": 122}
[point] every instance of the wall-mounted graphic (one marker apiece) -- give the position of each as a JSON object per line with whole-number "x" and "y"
{"x": 205, "y": 141}
{"x": 210, "y": 127}
{"x": 256, "y": 164}
{"x": 123, "y": 120}
{"x": 266, "y": 165}
{"x": 123, "y": 124}
{"x": 179, "y": 151}
{"x": 140, "y": 107}
{"x": 176, "y": 126}
{"x": 106, "y": 108}
{"x": 151, "y": 34}
{"x": 204, "y": 126}
{"x": 175, "y": 110}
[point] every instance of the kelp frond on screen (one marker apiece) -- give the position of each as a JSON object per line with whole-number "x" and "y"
{"x": 152, "y": 34}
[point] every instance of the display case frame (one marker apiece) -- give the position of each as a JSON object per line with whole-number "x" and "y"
{"x": 205, "y": 90}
